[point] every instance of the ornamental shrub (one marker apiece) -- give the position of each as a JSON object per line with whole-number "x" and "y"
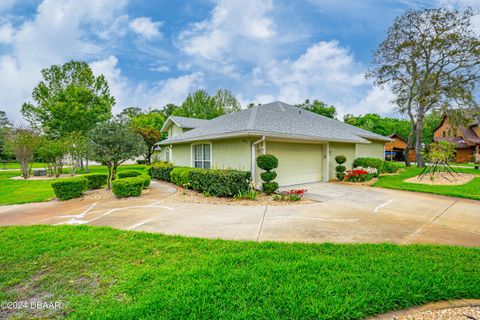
{"x": 146, "y": 180}
{"x": 340, "y": 159}
{"x": 180, "y": 176}
{"x": 267, "y": 162}
{"x": 390, "y": 167}
{"x": 128, "y": 174}
{"x": 268, "y": 176}
{"x": 70, "y": 188}
{"x": 128, "y": 187}
{"x": 160, "y": 171}
{"x": 96, "y": 180}
{"x": 358, "y": 175}
{"x": 219, "y": 183}
{"x": 369, "y": 163}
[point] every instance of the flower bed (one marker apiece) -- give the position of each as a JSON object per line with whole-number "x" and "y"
{"x": 360, "y": 174}
{"x": 290, "y": 195}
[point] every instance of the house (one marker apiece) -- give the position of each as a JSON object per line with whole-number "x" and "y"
{"x": 304, "y": 142}
{"x": 395, "y": 148}
{"x": 466, "y": 138}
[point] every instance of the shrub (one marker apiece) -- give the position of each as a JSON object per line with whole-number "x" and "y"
{"x": 141, "y": 161}
{"x": 267, "y": 162}
{"x": 390, "y": 167}
{"x": 358, "y": 175}
{"x": 340, "y": 159}
{"x": 128, "y": 174}
{"x": 290, "y": 195}
{"x": 180, "y": 176}
{"x": 146, "y": 180}
{"x": 269, "y": 187}
{"x": 160, "y": 171}
{"x": 96, "y": 180}
{"x": 128, "y": 187}
{"x": 369, "y": 163}
{"x": 70, "y": 188}
{"x": 268, "y": 176}
{"x": 219, "y": 183}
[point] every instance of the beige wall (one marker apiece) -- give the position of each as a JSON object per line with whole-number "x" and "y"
{"x": 337, "y": 149}
{"x": 298, "y": 162}
{"x": 232, "y": 154}
{"x": 174, "y": 130}
{"x": 181, "y": 155}
{"x": 372, "y": 150}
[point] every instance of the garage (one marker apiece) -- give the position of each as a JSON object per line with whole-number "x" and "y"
{"x": 297, "y": 162}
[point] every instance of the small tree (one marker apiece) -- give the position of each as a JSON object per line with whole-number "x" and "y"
{"x": 439, "y": 155}
{"x": 112, "y": 143}
{"x": 148, "y": 125}
{"x": 340, "y": 169}
{"x": 52, "y": 153}
{"x": 268, "y": 162}
{"x": 23, "y": 142}
{"x": 5, "y": 125}
{"x": 76, "y": 148}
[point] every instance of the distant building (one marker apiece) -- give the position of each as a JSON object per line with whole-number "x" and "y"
{"x": 465, "y": 138}
{"x": 394, "y": 149}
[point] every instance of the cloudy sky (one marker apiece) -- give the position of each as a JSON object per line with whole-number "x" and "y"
{"x": 156, "y": 52}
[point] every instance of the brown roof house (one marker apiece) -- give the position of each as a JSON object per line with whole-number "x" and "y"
{"x": 395, "y": 148}
{"x": 466, "y": 138}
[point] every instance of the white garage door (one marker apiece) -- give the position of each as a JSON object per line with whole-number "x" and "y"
{"x": 297, "y": 162}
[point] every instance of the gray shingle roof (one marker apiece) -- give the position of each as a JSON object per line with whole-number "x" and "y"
{"x": 277, "y": 119}
{"x": 190, "y": 123}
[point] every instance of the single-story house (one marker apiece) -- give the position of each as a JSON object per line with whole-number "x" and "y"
{"x": 304, "y": 142}
{"x": 394, "y": 149}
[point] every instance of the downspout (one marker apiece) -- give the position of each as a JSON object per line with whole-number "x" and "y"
{"x": 254, "y": 157}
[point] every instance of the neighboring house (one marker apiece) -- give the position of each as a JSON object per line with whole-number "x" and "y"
{"x": 304, "y": 142}
{"x": 395, "y": 148}
{"x": 465, "y": 138}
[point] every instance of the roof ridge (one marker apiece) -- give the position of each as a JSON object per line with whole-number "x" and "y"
{"x": 253, "y": 117}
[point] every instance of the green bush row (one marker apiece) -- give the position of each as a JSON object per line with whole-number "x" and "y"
{"x": 128, "y": 174}
{"x": 379, "y": 164}
{"x": 180, "y": 176}
{"x": 70, "y": 188}
{"x": 96, "y": 180}
{"x": 160, "y": 171}
{"x": 220, "y": 183}
{"x": 128, "y": 187}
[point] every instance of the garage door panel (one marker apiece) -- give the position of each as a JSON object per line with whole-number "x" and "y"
{"x": 298, "y": 163}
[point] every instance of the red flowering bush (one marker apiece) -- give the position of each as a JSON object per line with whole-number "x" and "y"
{"x": 290, "y": 195}
{"x": 358, "y": 175}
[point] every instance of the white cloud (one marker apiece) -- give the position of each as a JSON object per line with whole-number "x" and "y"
{"x": 231, "y": 23}
{"x": 6, "y": 5}
{"x": 146, "y": 28}
{"x": 6, "y": 33}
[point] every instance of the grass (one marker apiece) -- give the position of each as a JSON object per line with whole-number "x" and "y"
{"x": 469, "y": 190}
{"x": 26, "y": 191}
{"x": 16, "y": 165}
{"x": 102, "y": 273}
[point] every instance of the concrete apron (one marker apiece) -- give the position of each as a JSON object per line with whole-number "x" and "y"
{"x": 346, "y": 214}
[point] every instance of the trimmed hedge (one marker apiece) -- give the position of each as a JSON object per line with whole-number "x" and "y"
{"x": 267, "y": 162}
{"x": 369, "y": 163}
{"x": 180, "y": 176}
{"x": 160, "y": 171}
{"x": 269, "y": 187}
{"x": 340, "y": 159}
{"x": 95, "y": 180}
{"x": 268, "y": 176}
{"x": 70, "y": 188}
{"x": 390, "y": 167}
{"x": 128, "y": 187}
{"x": 220, "y": 183}
{"x": 128, "y": 174}
{"x": 146, "y": 180}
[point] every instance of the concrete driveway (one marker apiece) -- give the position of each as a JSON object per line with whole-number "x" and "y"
{"x": 343, "y": 214}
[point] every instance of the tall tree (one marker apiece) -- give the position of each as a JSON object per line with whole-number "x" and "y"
{"x": 70, "y": 98}
{"x": 203, "y": 106}
{"x": 431, "y": 61}
{"x": 130, "y": 113}
{"x": 227, "y": 101}
{"x": 23, "y": 143}
{"x": 169, "y": 109}
{"x": 114, "y": 142}
{"x": 148, "y": 125}
{"x": 319, "y": 107}
{"x": 5, "y": 125}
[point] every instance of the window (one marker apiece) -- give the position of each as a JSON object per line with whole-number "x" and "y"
{"x": 444, "y": 134}
{"x": 202, "y": 156}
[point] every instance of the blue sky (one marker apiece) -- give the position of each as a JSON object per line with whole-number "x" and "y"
{"x": 156, "y": 52}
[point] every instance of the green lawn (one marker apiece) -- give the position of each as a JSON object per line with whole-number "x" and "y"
{"x": 469, "y": 190}
{"x": 102, "y": 273}
{"x": 25, "y": 191}
{"x": 16, "y": 165}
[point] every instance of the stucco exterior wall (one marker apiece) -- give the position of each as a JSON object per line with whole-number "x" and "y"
{"x": 336, "y": 149}
{"x": 174, "y": 130}
{"x": 181, "y": 155}
{"x": 372, "y": 150}
{"x": 231, "y": 154}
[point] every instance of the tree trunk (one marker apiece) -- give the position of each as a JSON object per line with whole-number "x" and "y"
{"x": 109, "y": 178}
{"x": 418, "y": 142}
{"x": 406, "y": 152}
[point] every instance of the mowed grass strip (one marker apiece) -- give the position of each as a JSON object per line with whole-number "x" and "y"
{"x": 102, "y": 273}
{"x": 470, "y": 190}
{"x": 26, "y": 191}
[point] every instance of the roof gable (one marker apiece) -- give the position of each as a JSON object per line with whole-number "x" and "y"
{"x": 183, "y": 122}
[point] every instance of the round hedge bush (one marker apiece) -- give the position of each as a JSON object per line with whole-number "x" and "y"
{"x": 146, "y": 180}
{"x": 128, "y": 174}
{"x": 269, "y": 187}
{"x": 268, "y": 176}
{"x": 267, "y": 162}
{"x": 340, "y": 159}
{"x": 128, "y": 187}
{"x": 95, "y": 180}
{"x": 340, "y": 168}
{"x": 69, "y": 188}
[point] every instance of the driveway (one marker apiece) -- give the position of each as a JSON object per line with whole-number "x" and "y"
{"x": 343, "y": 214}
